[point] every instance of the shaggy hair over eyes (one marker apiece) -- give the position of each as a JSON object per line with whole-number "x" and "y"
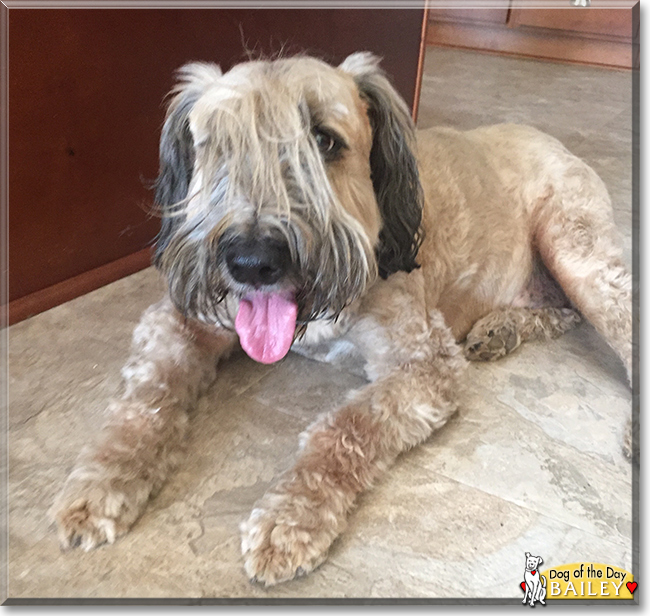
{"x": 256, "y": 163}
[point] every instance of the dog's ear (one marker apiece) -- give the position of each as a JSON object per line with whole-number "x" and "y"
{"x": 527, "y": 554}
{"x": 540, "y": 560}
{"x": 393, "y": 165}
{"x": 177, "y": 149}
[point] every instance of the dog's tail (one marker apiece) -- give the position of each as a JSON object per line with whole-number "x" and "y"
{"x": 542, "y": 581}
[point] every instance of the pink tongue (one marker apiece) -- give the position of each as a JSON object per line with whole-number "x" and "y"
{"x": 266, "y": 323}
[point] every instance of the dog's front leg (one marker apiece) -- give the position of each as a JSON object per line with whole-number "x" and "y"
{"x": 172, "y": 362}
{"x": 291, "y": 529}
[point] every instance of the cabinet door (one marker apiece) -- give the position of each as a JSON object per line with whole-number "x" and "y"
{"x": 86, "y": 90}
{"x": 592, "y": 22}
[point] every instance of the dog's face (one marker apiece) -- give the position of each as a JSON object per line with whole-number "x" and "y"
{"x": 533, "y": 562}
{"x": 286, "y": 186}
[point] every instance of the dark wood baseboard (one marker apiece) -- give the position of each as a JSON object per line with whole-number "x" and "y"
{"x": 49, "y": 297}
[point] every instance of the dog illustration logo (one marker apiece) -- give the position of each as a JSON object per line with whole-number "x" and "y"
{"x": 534, "y": 584}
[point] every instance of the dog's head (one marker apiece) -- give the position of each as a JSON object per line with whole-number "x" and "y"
{"x": 533, "y": 562}
{"x": 285, "y": 188}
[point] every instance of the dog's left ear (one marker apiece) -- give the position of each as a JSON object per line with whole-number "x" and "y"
{"x": 393, "y": 165}
{"x": 177, "y": 148}
{"x": 540, "y": 560}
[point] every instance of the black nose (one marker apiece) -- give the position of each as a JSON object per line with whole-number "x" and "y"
{"x": 257, "y": 261}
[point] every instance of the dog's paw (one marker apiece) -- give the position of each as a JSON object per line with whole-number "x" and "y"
{"x": 277, "y": 547}
{"x": 488, "y": 342}
{"x": 89, "y": 513}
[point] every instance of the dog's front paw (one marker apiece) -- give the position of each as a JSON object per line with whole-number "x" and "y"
{"x": 487, "y": 341}
{"x": 278, "y": 546}
{"x": 90, "y": 512}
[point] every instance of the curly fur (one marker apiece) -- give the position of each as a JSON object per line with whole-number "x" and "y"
{"x": 513, "y": 235}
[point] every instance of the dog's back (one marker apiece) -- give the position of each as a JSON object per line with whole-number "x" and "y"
{"x": 497, "y": 200}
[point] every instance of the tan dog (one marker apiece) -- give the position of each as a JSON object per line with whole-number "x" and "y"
{"x": 295, "y": 213}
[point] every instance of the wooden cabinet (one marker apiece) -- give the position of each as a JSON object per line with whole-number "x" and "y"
{"x": 598, "y": 34}
{"x": 592, "y": 22}
{"x": 477, "y": 16}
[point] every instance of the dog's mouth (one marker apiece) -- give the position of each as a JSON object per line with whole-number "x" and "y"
{"x": 266, "y": 324}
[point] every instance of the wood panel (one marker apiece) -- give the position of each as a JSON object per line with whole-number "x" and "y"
{"x": 478, "y": 16}
{"x": 612, "y": 24}
{"x": 573, "y": 34}
{"x": 85, "y": 112}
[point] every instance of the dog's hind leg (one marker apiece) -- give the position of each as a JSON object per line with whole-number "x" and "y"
{"x": 502, "y": 331}
{"x": 172, "y": 363}
{"x": 578, "y": 242}
{"x": 415, "y": 378}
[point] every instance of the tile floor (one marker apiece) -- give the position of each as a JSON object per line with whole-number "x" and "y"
{"x": 532, "y": 461}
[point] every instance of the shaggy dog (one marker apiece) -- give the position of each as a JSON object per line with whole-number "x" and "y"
{"x": 296, "y": 214}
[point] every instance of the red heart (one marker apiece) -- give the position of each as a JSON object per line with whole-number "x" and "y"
{"x": 631, "y": 586}
{"x": 523, "y": 585}
{"x": 534, "y": 571}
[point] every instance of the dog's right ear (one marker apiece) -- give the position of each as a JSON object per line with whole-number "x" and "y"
{"x": 527, "y": 554}
{"x": 393, "y": 165}
{"x": 177, "y": 148}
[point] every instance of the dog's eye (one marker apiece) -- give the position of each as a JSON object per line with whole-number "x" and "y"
{"x": 329, "y": 145}
{"x": 325, "y": 142}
